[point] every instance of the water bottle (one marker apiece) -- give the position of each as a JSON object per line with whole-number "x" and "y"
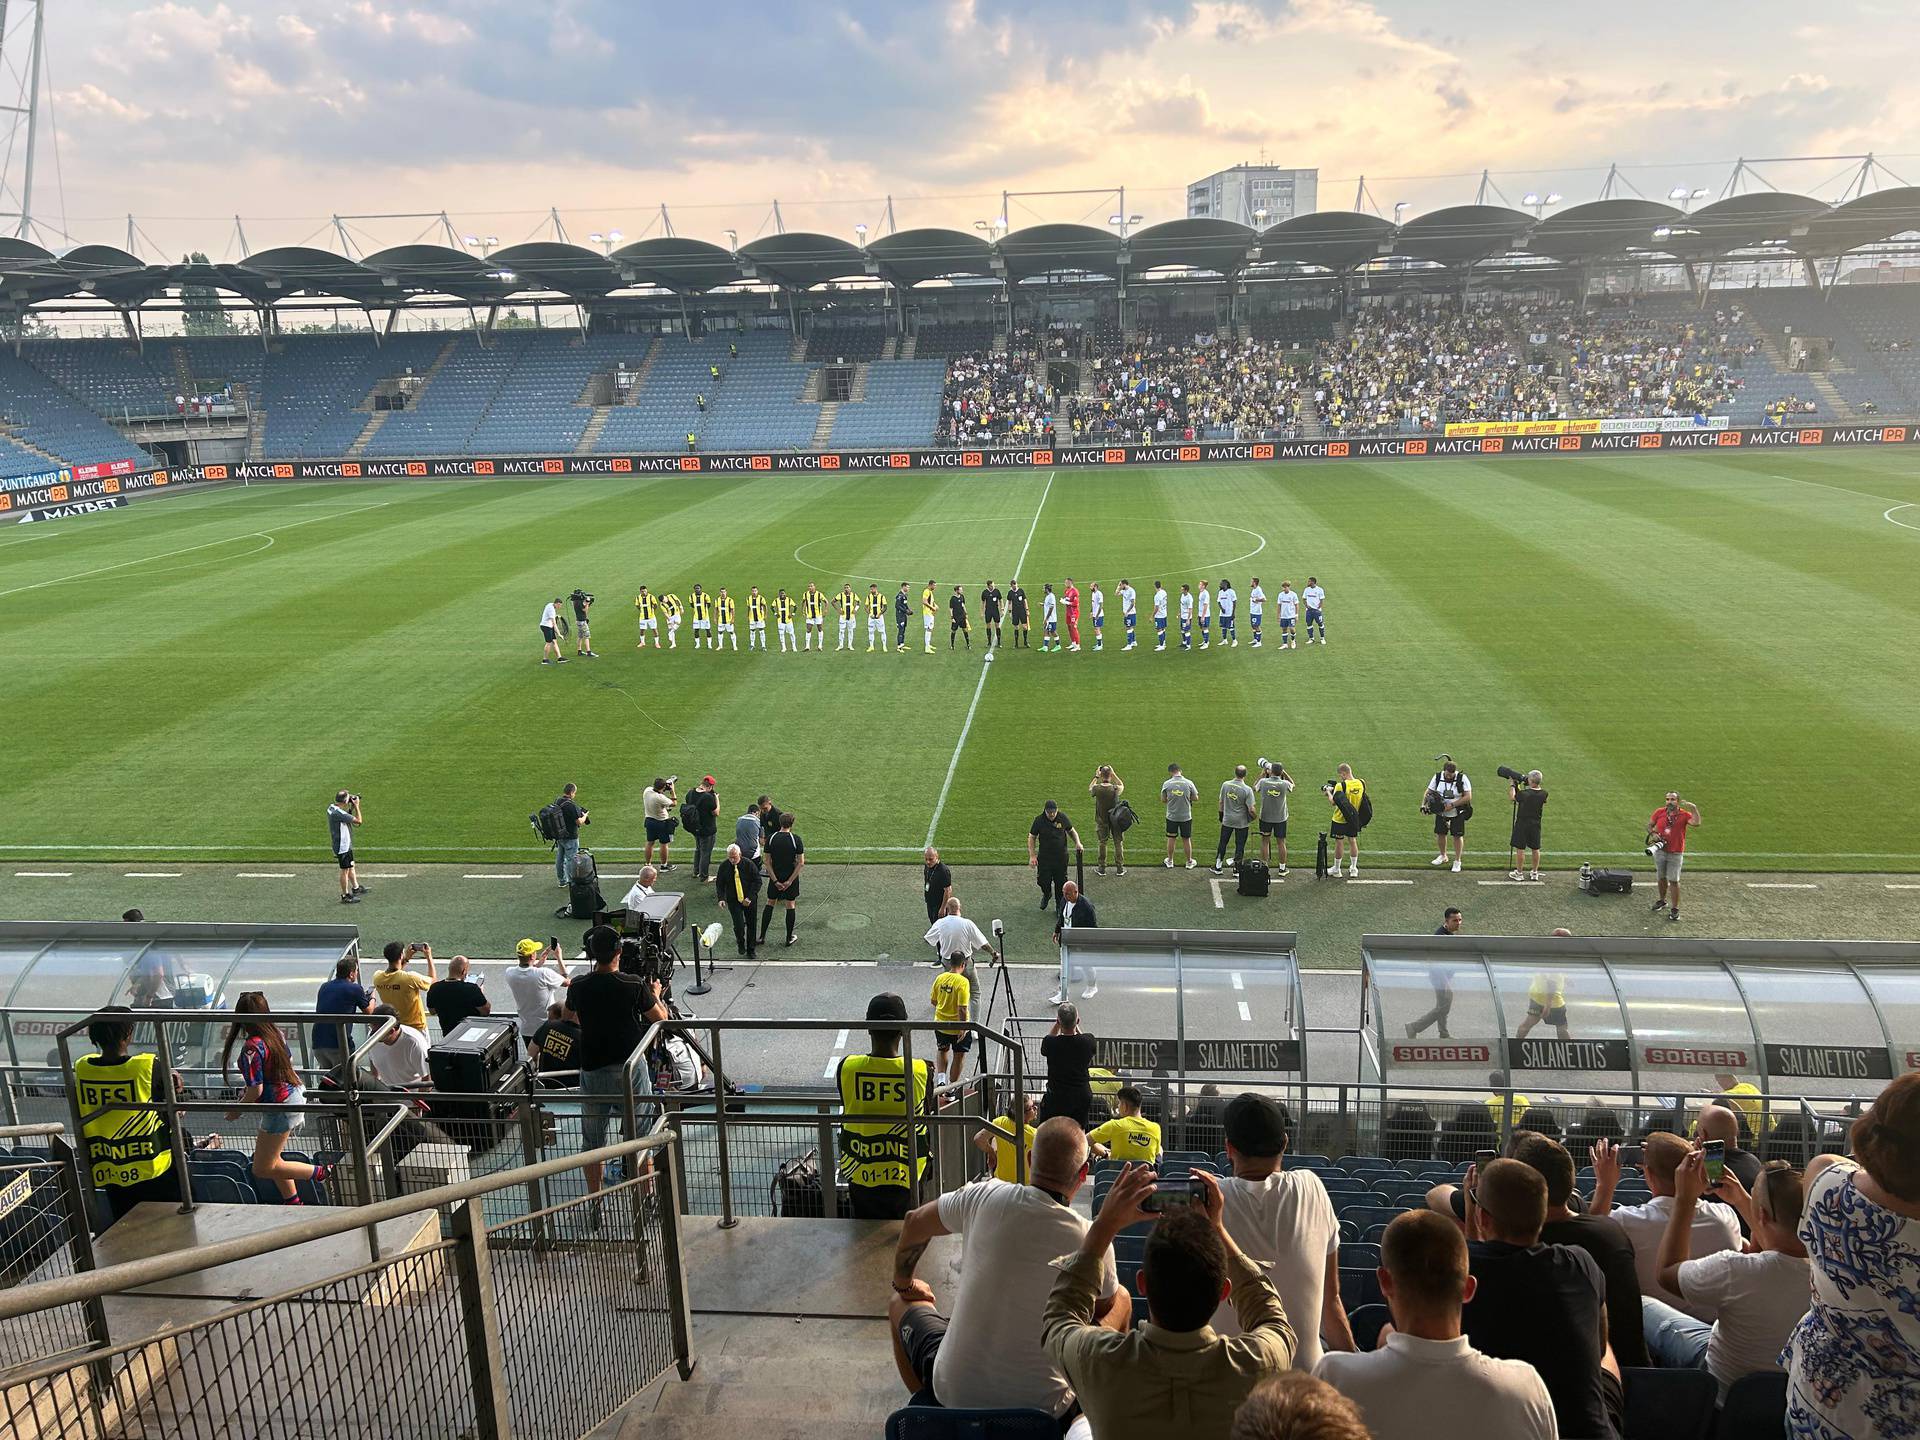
{"x": 1586, "y": 875}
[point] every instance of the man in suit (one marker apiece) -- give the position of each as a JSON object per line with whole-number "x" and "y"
{"x": 736, "y": 885}
{"x": 1075, "y": 913}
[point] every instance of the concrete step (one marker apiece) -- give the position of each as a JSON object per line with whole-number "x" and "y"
{"x": 823, "y": 427}
{"x": 591, "y": 435}
{"x": 367, "y": 432}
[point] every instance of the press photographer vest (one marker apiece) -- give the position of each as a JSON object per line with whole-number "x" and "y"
{"x": 124, "y": 1147}
{"x": 1453, "y": 789}
{"x": 873, "y": 1152}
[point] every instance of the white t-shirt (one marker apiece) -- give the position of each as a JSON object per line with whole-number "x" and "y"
{"x": 1186, "y": 604}
{"x": 1097, "y": 603}
{"x": 1284, "y": 1223}
{"x": 549, "y": 616}
{"x": 1049, "y": 605}
{"x": 1442, "y": 1390}
{"x": 1160, "y": 604}
{"x": 654, "y": 803}
{"x": 955, "y": 935}
{"x": 404, "y": 1062}
{"x": 1256, "y": 600}
{"x": 1126, "y": 600}
{"x": 1206, "y": 603}
{"x": 340, "y": 823}
{"x": 633, "y": 897}
{"x": 1227, "y": 600}
{"x": 534, "y": 988}
{"x": 1715, "y": 1228}
{"x": 1287, "y": 603}
{"x": 1756, "y": 1300}
{"x": 992, "y": 1355}
{"x": 1314, "y": 596}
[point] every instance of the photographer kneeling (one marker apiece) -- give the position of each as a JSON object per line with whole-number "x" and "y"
{"x": 1529, "y": 797}
{"x": 1449, "y": 799}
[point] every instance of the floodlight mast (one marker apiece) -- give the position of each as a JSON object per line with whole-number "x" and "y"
{"x": 24, "y": 109}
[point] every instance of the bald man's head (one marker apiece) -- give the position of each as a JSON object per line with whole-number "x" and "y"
{"x": 1059, "y": 1154}
{"x": 1719, "y": 1123}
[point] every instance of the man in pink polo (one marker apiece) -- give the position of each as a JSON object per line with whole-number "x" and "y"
{"x": 1668, "y": 828}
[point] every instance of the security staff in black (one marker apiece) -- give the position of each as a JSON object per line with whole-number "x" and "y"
{"x": 131, "y": 1151}
{"x": 1017, "y": 613}
{"x": 902, "y": 612}
{"x": 990, "y": 613}
{"x": 957, "y": 618}
{"x": 1047, "y": 840}
{"x": 876, "y": 1158}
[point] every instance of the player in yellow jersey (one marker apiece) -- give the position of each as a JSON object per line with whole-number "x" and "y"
{"x": 928, "y": 609}
{"x": 701, "y": 604}
{"x": 814, "y": 605}
{"x": 723, "y": 631}
{"x": 756, "y": 619}
{"x": 848, "y": 605}
{"x": 670, "y": 609}
{"x": 783, "y": 612}
{"x": 876, "y": 619}
{"x": 647, "y": 609}
{"x": 1127, "y": 1136}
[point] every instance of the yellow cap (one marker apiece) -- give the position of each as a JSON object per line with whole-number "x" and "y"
{"x": 527, "y": 947}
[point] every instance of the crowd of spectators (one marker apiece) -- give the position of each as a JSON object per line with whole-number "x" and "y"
{"x": 1624, "y": 362}
{"x": 1418, "y": 367}
{"x": 997, "y": 399}
{"x": 1162, "y": 389}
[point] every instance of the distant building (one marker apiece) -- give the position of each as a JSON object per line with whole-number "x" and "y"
{"x": 1239, "y": 193}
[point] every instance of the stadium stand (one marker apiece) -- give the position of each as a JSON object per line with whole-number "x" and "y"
{"x": 110, "y": 376}
{"x": 45, "y": 426}
{"x": 756, "y": 402}
{"x": 900, "y": 406}
{"x": 847, "y": 340}
{"x": 946, "y": 339}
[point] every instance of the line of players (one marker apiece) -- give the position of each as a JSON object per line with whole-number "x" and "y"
{"x": 713, "y": 616}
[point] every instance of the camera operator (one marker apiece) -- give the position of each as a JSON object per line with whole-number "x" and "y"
{"x": 1667, "y": 843}
{"x": 657, "y": 801}
{"x": 572, "y": 817}
{"x": 1345, "y": 792}
{"x": 1270, "y": 792}
{"x": 706, "y": 801}
{"x": 342, "y": 816}
{"x": 1529, "y": 796}
{"x": 1449, "y": 799}
{"x": 582, "y": 641}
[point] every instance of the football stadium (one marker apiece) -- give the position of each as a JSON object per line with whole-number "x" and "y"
{"x": 1355, "y": 733}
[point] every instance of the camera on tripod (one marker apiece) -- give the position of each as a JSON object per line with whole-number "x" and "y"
{"x": 647, "y": 932}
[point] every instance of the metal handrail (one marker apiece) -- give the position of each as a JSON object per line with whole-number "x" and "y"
{"x": 45, "y": 1130}
{"x": 153, "y": 1269}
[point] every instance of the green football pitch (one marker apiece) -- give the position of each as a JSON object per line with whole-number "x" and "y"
{"x": 193, "y": 678}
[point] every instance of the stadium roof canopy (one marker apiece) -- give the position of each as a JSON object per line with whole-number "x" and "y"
{"x": 1336, "y": 242}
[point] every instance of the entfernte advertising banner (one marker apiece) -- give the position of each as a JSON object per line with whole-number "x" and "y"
{"x": 58, "y": 498}
{"x": 1479, "y": 428}
{"x": 72, "y": 488}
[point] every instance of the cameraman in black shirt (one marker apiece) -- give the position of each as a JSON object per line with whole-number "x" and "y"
{"x": 582, "y": 641}
{"x": 614, "y": 1009}
{"x": 1528, "y": 801}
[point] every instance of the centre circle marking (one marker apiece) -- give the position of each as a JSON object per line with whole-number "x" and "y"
{"x": 799, "y": 550}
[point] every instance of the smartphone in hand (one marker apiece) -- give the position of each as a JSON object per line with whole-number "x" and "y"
{"x": 1714, "y": 1153}
{"x": 1170, "y": 1195}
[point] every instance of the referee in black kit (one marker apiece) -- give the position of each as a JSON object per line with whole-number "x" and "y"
{"x": 990, "y": 614}
{"x": 957, "y": 618}
{"x": 1017, "y": 613}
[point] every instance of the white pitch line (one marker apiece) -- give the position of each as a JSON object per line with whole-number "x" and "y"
{"x": 1246, "y": 1012}
{"x": 980, "y": 686}
{"x": 43, "y": 874}
{"x": 1238, "y": 983}
{"x": 383, "y": 875}
{"x": 152, "y": 874}
{"x": 1504, "y": 882}
{"x": 188, "y": 550}
{"x": 833, "y": 1063}
{"x": 1842, "y": 490}
{"x": 265, "y": 875}
{"x": 493, "y": 877}
{"x": 1357, "y": 881}
{"x": 1889, "y": 514}
{"x": 1903, "y": 887}
{"x": 1218, "y": 902}
{"x": 1759, "y": 885}
{"x": 840, "y": 1041}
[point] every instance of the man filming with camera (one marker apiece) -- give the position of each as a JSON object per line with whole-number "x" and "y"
{"x": 1667, "y": 843}
{"x": 1449, "y": 799}
{"x": 582, "y": 639}
{"x": 1529, "y": 796}
{"x": 342, "y": 815}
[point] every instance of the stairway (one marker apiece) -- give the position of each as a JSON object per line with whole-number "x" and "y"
{"x": 909, "y": 348}
{"x": 367, "y": 432}
{"x": 857, "y": 388}
{"x": 1837, "y": 406}
{"x": 890, "y": 350}
{"x": 797, "y": 351}
{"x": 182, "y": 371}
{"x": 1310, "y": 429}
{"x": 646, "y": 369}
{"x": 823, "y": 427}
{"x": 590, "y": 437}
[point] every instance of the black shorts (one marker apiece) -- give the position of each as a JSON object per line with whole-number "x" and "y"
{"x": 1526, "y": 835}
{"x": 961, "y": 1040}
{"x": 1340, "y": 830}
{"x": 922, "y": 1329}
{"x": 879, "y": 1202}
{"x": 1556, "y": 1016}
{"x": 1181, "y": 828}
{"x": 992, "y": 617}
{"x": 774, "y": 895}
{"x": 345, "y": 858}
{"x": 547, "y": 632}
{"x": 1275, "y": 828}
{"x": 1076, "y": 1105}
{"x": 1454, "y": 825}
{"x": 661, "y": 830}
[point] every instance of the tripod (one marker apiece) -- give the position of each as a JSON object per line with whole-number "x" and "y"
{"x": 1002, "y": 985}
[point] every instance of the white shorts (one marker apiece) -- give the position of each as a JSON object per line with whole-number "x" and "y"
{"x": 758, "y": 625}
{"x": 726, "y": 629}
{"x": 702, "y": 625}
{"x": 673, "y": 623}
{"x": 818, "y": 622}
{"x": 786, "y": 627}
{"x": 649, "y": 624}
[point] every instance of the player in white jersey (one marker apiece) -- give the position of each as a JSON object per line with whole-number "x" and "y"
{"x": 1097, "y": 608}
{"x": 1159, "y": 616}
{"x": 1126, "y": 595}
{"x": 1316, "y": 599}
{"x": 1186, "y": 617}
{"x": 1049, "y": 619}
{"x": 550, "y": 633}
{"x": 1256, "y": 607}
{"x": 1203, "y": 606}
{"x": 1228, "y": 602}
{"x": 1288, "y": 604}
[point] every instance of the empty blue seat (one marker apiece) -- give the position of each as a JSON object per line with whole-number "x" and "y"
{"x": 1367, "y": 1216}
{"x": 1367, "y": 1322}
{"x": 1359, "y": 1255}
{"x": 1359, "y": 1285}
{"x": 1669, "y": 1404}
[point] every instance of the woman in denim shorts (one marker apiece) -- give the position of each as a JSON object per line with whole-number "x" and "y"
{"x": 268, "y": 1077}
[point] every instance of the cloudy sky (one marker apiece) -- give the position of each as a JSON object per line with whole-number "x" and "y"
{"x": 189, "y": 111}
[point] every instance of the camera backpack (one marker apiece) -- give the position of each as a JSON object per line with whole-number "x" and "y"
{"x": 1255, "y": 879}
{"x": 797, "y": 1187}
{"x": 1606, "y": 882}
{"x": 547, "y": 823}
{"x": 1122, "y": 817}
{"x": 689, "y": 816}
